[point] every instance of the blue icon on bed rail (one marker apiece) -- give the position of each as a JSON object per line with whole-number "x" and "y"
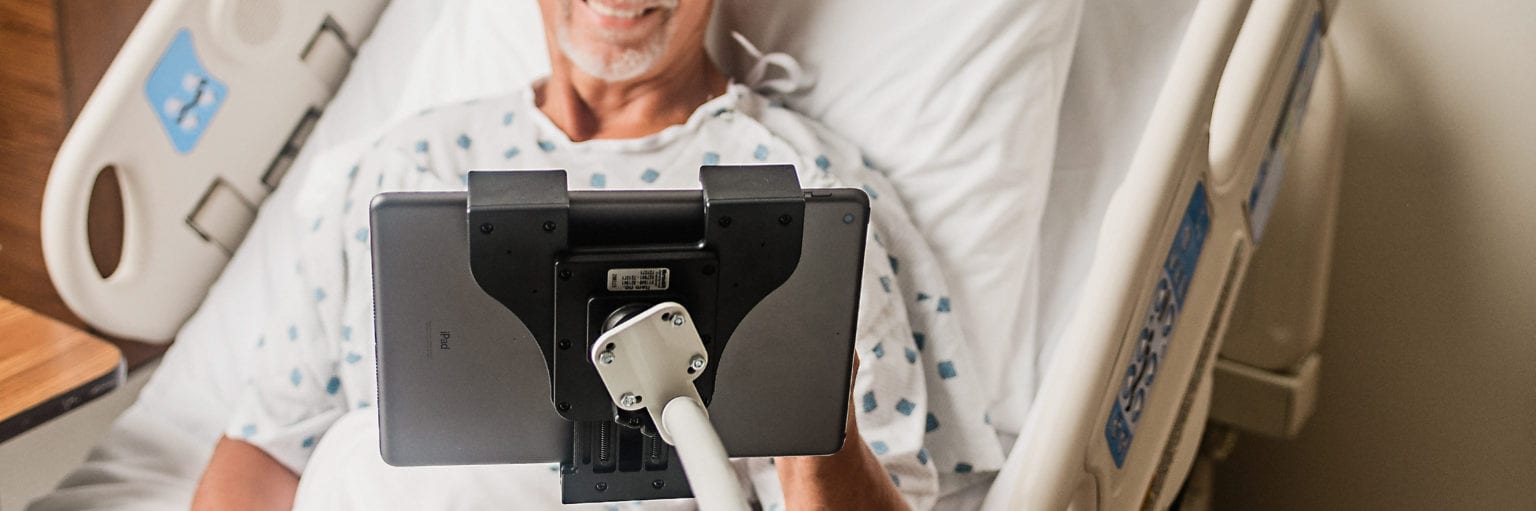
{"x": 1261, "y": 198}
{"x": 183, "y": 94}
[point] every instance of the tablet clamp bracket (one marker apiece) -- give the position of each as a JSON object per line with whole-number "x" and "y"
{"x": 574, "y": 268}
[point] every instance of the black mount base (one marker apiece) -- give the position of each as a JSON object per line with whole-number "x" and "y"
{"x": 609, "y": 462}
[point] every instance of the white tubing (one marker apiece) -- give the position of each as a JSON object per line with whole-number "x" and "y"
{"x": 709, "y": 471}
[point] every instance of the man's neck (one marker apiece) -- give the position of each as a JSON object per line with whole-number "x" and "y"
{"x": 587, "y": 108}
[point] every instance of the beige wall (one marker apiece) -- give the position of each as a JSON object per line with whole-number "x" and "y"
{"x": 1429, "y": 372}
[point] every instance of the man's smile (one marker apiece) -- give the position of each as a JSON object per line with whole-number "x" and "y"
{"x": 621, "y": 14}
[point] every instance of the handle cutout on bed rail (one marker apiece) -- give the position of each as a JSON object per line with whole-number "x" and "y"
{"x": 104, "y": 222}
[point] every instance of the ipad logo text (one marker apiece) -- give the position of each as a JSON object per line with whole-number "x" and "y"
{"x": 439, "y": 337}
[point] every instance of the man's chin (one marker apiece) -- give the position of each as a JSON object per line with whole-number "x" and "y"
{"x": 613, "y": 66}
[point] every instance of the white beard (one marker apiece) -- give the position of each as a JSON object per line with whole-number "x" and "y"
{"x": 628, "y": 64}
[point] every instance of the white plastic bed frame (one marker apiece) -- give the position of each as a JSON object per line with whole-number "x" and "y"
{"x": 1225, "y": 125}
{"x": 1233, "y": 112}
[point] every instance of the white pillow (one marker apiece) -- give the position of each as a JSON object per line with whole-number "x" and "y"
{"x": 958, "y": 102}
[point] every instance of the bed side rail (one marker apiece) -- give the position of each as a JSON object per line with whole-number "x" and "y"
{"x": 1267, "y": 375}
{"x": 200, "y": 115}
{"x": 1118, "y": 415}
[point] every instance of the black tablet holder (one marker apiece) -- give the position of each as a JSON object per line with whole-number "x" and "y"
{"x": 571, "y": 266}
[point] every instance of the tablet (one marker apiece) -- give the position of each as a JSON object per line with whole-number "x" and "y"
{"x": 461, "y": 379}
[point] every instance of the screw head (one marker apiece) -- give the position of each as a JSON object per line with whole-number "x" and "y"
{"x": 565, "y": 274}
{"x": 696, "y": 363}
{"x": 565, "y": 344}
{"x": 549, "y": 226}
{"x": 563, "y": 406}
{"x": 605, "y": 357}
{"x": 725, "y": 221}
{"x": 785, "y": 219}
{"x": 677, "y": 320}
{"x": 629, "y": 399}
{"x": 486, "y": 228}
{"x": 600, "y": 486}
{"x": 658, "y": 484}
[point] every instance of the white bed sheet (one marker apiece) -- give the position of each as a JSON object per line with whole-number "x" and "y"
{"x": 1122, "y": 58}
{"x": 426, "y": 52}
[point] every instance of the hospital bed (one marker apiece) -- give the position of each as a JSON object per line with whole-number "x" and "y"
{"x": 1098, "y": 179}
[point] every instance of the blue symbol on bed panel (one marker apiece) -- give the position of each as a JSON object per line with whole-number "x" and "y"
{"x": 183, "y": 94}
{"x": 1157, "y": 326}
{"x": 1266, "y": 186}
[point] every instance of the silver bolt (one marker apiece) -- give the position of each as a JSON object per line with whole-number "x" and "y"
{"x": 628, "y": 399}
{"x": 605, "y": 357}
{"x": 696, "y": 363}
{"x": 677, "y": 320}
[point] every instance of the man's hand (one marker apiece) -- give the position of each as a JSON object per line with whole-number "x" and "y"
{"x": 851, "y": 478}
{"x": 242, "y": 476}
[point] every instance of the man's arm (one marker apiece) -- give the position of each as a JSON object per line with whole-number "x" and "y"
{"x": 850, "y": 479}
{"x": 242, "y": 476}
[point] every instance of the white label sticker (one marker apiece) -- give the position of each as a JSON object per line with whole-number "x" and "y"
{"x": 639, "y": 279}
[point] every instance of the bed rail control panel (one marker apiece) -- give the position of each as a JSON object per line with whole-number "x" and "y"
{"x": 1157, "y": 324}
{"x": 201, "y": 114}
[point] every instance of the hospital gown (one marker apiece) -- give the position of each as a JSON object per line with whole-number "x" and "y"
{"x": 918, "y": 402}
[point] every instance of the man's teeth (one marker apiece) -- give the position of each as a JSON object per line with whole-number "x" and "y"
{"x": 614, "y": 12}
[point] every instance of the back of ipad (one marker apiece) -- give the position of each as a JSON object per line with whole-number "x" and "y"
{"x": 461, "y": 380}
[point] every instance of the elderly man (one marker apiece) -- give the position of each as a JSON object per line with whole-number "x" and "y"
{"x": 632, "y": 101}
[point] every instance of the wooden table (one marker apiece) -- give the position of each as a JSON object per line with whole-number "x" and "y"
{"x": 52, "y": 53}
{"x": 48, "y": 368}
